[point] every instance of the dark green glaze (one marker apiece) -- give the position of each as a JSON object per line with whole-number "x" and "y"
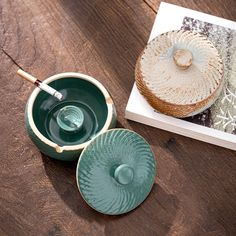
{"x": 116, "y": 171}
{"x": 76, "y": 92}
{"x": 48, "y": 150}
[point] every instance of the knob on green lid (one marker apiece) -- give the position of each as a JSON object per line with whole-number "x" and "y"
{"x": 116, "y": 171}
{"x": 124, "y": 174}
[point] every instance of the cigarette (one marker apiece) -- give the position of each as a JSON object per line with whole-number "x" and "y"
{"x": 48, "y": 89}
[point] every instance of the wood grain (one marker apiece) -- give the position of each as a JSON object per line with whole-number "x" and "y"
{"x": 225, "y": 9}
{"x": 195, "y": 189}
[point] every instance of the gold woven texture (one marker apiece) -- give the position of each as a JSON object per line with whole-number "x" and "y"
{"x": 180, "y": 73}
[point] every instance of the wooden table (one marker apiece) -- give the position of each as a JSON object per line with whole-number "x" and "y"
{"x": 195, "y": 189}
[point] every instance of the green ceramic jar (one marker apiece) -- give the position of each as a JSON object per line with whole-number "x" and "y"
{"x": 62, "y": 129}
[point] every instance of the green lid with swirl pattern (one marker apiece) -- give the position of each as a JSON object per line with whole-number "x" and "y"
{"x": 116, "y": 171}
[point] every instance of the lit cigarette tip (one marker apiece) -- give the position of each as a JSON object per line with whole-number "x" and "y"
{"x": 58, "y": 95}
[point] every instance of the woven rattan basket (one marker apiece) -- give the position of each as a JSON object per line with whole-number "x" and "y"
{"x": 180, "y": 73}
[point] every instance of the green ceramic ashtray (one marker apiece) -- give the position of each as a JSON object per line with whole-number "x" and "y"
{"x": 116, "y": 171}
{"x": 62, "y": 129}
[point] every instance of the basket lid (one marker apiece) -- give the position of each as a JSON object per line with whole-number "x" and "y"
{"x": 182, "y": 68}
{"x": 116, "y": 171}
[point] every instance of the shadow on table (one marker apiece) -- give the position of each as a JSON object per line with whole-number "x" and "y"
{"x": 118, "y": 31}
{"x": 211, "y": 174}
{"x": 155, "y": 214}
